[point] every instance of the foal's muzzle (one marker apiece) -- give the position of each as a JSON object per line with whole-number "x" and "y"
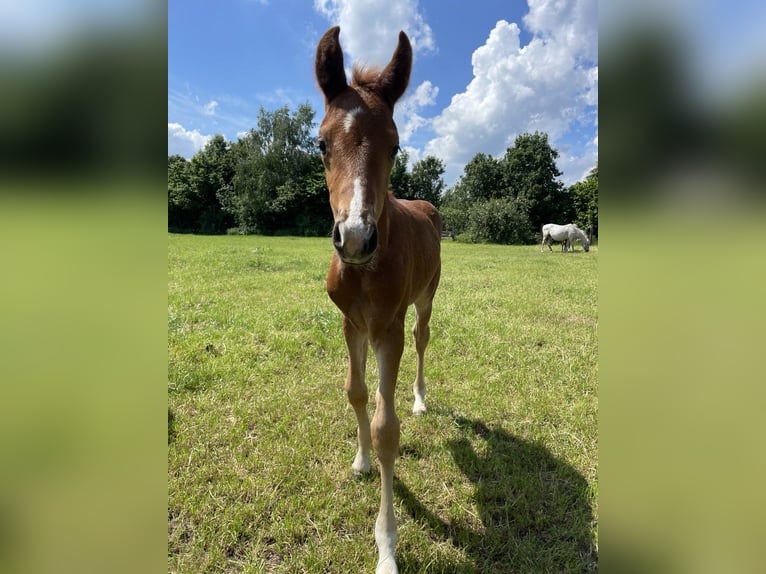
{"x": 355, "y": 244}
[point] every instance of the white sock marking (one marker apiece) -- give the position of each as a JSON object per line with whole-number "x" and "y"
{"x": 386, "y": 543}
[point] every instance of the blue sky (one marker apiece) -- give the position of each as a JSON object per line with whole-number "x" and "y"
{"x": 484, "y": 71}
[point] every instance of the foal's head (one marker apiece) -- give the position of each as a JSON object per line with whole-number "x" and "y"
{"x": 358, "y": 142}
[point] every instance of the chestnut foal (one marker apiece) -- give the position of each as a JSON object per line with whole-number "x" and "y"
{"x": 386, "y": 254}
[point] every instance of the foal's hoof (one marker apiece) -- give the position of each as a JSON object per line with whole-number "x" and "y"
{"x": 419, "y": 409}
{"x": 360, "y": 466}
{"x": 360, "y": 474}
{"x": 387, "y": 566}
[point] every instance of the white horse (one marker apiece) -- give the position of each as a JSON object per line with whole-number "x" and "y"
{"x": 566, "y": 234}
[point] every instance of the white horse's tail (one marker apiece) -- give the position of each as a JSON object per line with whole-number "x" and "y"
{"x": 546, "y": 236}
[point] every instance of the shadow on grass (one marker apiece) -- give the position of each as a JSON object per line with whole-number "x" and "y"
{"x": 534, "y": 509}
{"x": 171, "y": 426}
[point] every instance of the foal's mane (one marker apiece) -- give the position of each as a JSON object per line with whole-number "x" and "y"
{"x": 365, "y": 77}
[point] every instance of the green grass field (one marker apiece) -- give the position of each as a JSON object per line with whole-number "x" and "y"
{"x": 499, "y": 476}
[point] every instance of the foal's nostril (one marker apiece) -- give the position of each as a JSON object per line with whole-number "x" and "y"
{"x": 372, "y": 242}
{"x": 336, "y": 241}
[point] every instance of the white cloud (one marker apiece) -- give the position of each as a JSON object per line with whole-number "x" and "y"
{"x": 572, "y": 23}
{"x": 209, "y": 109}
{"x": 546, "y": 85}
{"x": 369, "y": 34}
{"x": 591, "y": 96}
{"x": 185, "y": 142}
{"x": 577, "y": 167}
{"x": 406, "y": 113}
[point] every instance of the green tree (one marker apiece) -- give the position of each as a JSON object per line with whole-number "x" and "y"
{"x": 530, "y": 176}
{"x": 508, "y": 200}
{"x": 454, "y": 209}
{"x": 481, "y": 179}
{"x": 181, "y": 200}
{"x": 499, "y": 220}
{"x": 584, "y": 196}
{"x": 401, "y": 180}
{"x": 278, "y": 184}
{"x": 211, "y": 170}
{"x": 426, "y": 180}
{"x": 193, "y": 188}
{"x": 423, "y": 182}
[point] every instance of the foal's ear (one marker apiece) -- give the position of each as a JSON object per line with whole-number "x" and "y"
{"x": 394, "y": 78}
{"x": 328, "y": 65}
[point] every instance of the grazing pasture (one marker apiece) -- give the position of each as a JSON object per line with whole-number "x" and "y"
{"x": 499, "y": 476}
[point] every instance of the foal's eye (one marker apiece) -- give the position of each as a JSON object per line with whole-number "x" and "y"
{"x": 322, "y": 145}
{"x": 395, "y": 151}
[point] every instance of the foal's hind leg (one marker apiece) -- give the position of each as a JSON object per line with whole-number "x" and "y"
{"x": 422, "y": 334}
{"x": 356, "y": 391}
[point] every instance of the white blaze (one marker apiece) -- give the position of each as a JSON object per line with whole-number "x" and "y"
{"x": 355, "y": 209}
{"x": 353, "y": 231}
{"x": 348, "y": 121}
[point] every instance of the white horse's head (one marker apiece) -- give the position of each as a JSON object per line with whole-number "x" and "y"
{"x": 583, "y": 238}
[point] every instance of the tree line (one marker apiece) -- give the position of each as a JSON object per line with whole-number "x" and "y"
{"x": 271, "y": 181}
{"x": 509, "y": 199}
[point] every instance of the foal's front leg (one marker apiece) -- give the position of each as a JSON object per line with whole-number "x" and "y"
{"x": 388, "y": 347}
{"x": 356, "y": 391}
